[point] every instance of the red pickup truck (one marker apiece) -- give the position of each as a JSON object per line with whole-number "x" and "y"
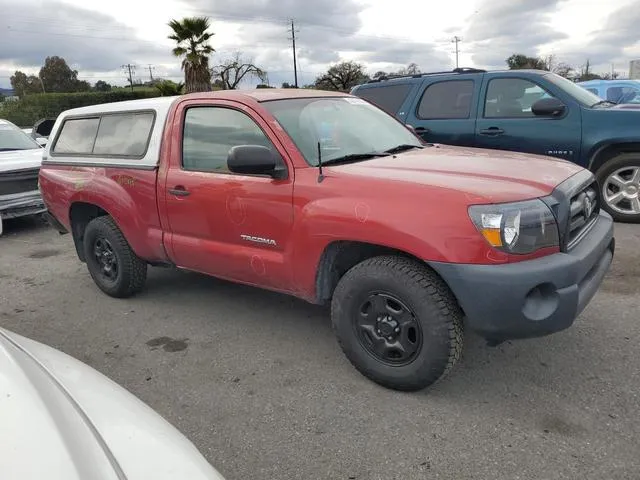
{"x": 323, "y": 196}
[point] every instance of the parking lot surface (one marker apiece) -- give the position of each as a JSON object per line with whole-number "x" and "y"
{"x": 257, "y": 381}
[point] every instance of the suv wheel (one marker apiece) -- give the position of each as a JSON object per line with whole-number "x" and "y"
{"x": 397, "y": 322}
{"x": 619, "y": 180}
{"x": 113, "y": 265}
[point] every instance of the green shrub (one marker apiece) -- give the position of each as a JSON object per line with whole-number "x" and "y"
{"x": 31, "y": 108}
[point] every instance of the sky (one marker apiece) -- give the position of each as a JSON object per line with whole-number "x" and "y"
{"x": 98, "y": 37}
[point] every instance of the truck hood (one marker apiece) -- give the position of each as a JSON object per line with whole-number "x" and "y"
{"x": 63, "y": 420}
{"x": 491, "y": 175}
{"x": 20, "y": 159}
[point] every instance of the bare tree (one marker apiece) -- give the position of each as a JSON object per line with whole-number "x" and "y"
{"x": 236, "y": 69}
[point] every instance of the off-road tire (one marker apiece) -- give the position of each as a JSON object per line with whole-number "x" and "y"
{"x": 132, "y": 271}
{"x": 616, "y": 163}
{"x": 433, "y": 305}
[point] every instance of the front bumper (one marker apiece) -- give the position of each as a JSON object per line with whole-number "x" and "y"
{"x": 21, "y": 204}
{"x": 536, "y": 297}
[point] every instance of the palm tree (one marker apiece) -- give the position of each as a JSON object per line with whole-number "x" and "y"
{"x": 192, "y": 43}
{"x": 167, "y": 88}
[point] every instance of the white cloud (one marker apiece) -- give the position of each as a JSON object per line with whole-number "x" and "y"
{"x": 97, "y": 37}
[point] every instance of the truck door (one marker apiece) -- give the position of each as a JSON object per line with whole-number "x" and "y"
{"x": 220, "y": 223}
{"x": 506, "y": 122}
{"x": 444, "y": 110}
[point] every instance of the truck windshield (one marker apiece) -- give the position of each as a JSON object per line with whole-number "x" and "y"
{"x": 580, "y": 94}
{"x": 345, "y": 127}
{"x": 12, "y": 138}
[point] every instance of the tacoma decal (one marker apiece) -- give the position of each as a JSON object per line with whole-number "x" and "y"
{"x": 251, "y": 238}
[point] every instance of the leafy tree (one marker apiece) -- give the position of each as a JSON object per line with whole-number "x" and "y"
{"x": 342, "y": 77}
{"x": 518, "y": 61}
{"x": 102, "y": 86}
{"x": 167, "y": 88}
{"x": 57, "y": 76}
{"x": 24, "y": 84}
{"x": 192, "y": 44}
{"x": 234, "y": 70}
{"x": 287, "y": 85}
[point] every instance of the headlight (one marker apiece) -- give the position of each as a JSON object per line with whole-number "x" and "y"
{"x": 520, "y": 228}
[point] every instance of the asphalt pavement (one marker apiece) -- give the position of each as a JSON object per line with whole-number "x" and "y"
{"x": 257, "y": 381}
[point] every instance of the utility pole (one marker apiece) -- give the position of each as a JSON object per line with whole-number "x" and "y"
{"x": 456, "y": 40}
{"x": 128, "y": 67}
{"x": 295, "y": 65}
{"x": 151, "y": 67}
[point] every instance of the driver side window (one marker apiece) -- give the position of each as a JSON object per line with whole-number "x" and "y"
{"x": 210, "y": 132}
{"x": 512, "y": 98}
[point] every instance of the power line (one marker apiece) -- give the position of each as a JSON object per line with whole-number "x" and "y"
{"x": 295, "y": 67}
{"x": 232, "y": 18}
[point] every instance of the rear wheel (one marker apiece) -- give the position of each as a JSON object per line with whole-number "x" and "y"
{"x": 113, "y": 265}
{"x": 397, "y": 322}
{"x": 619, "y": 181}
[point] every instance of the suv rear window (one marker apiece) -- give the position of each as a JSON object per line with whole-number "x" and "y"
{"x": 388, "y": 97}
{"x": 450, "y": 99}
{"x": 120, "y": 135}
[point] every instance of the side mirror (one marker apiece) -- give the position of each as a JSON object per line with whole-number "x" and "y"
{"x": 548, "y": 107}
{"x": 254, "y": 160}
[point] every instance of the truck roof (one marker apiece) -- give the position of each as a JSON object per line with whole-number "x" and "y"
{"x": 164, "y": 103}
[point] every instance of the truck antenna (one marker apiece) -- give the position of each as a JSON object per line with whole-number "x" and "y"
{"x": 320, "y": 176}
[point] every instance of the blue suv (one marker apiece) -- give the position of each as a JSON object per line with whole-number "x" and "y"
{"x": 530, "y": 111}
{"x": 618, "y": 91}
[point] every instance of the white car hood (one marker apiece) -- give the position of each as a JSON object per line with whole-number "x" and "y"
{"x": 20, "y": 159}
{"x": 61, "y": 419}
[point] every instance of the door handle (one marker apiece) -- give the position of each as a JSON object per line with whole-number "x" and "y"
{"x": 492, "y": 131}
{"x": 179, "y": 191}
{"x": 422, "y": 130}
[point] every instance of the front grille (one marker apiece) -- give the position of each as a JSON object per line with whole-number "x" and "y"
{"x": 18, "y": 182}
{"x": 584, "y": 207}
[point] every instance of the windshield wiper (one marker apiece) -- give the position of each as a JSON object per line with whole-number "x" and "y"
{"x": 354, "y": 157}
{"x": 602, "y": 102}
{"x": 403, "y": 147}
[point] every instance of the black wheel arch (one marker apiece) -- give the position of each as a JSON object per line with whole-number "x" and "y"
{"x": 340, "y": 256}
{"x": 604, "y": 153}
{"x": 80, "y": 214}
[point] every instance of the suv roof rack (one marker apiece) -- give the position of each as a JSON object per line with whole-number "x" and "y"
{"x": 418, "y": 75}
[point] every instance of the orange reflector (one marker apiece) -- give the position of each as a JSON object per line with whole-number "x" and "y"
{"x": 493, "y": 236}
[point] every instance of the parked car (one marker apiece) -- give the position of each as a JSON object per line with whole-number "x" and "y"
{"x": 63, "y": 420}
{"x": 617, "y": 91}
{"x": 42, "y": 141}
{"x": 323, "y": 196}
{"x": 527, "y": 111}
{"x": 20, "y": 159}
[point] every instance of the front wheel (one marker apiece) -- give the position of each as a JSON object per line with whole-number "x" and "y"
{"x": 397, "y": 322}
{"x": 619, "y": 181}
{"x": 113, "y": 265}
